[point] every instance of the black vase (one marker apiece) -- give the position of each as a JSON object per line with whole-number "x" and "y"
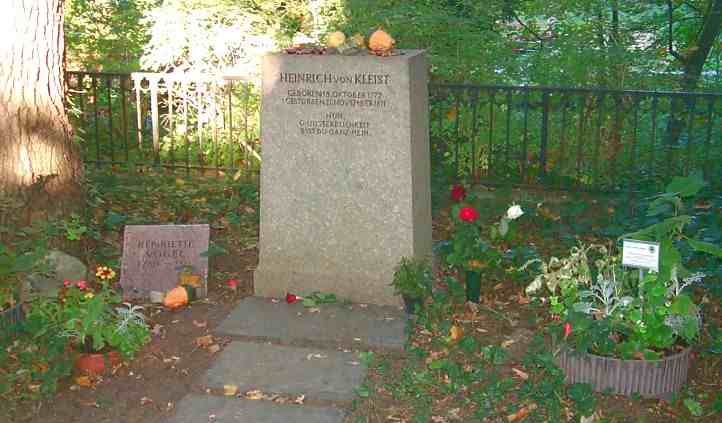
{"x": 411, "y": 303}
{"x": 473, "y": 286}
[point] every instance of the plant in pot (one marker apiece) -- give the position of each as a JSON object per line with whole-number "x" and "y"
{"x": 11, "y": 266}
{"x": 413, "y": 281}
{"x": 470, "y": 252}
{"x": 619, "y": 331}
{"x": 104, "y": 330}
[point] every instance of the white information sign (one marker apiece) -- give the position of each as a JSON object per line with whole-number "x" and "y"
{"x": 640, "y": 254}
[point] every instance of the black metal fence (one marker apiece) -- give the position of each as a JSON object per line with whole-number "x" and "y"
{"x": 186, "y": 122}
{"x": 579, "y": 139}
{"x": 567, "y": 138}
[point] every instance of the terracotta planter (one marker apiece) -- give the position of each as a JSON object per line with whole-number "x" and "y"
{"x": 649, "y": 378}
{"x": 97, "y": 363}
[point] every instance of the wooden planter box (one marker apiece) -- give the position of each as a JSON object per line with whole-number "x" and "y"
{"x": 649, "y": 378}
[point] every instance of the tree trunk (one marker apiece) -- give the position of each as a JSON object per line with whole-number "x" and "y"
{"x": 38, "y": 159}
{"x": 693, "y": 64}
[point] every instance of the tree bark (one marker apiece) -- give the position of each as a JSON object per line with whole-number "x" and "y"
{"x": 694, "y": 63}
{"x": 37, "y": 153}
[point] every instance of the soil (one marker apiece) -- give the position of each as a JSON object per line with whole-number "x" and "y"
{"x": 147, "y": 389}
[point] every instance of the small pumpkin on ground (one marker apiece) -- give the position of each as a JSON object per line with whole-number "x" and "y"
{"x": 179, "y": 296}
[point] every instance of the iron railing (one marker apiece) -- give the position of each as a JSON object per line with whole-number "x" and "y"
{"x": 186, "y": 122}
{"x": 575, "y": 138}
{"x": 566, "y": 138}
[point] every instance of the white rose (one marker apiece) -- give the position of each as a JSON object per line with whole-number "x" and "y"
{"x": 514, "y": 212}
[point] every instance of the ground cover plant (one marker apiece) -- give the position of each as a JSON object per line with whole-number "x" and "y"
{"x": 37, "y": 354}
{"x": 490, "y": 361}
{"x": 495, "y": 361}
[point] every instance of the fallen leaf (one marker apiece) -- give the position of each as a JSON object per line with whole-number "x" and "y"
{"x": 200, "y": 324}
{"x": 481, "y": 330}
{"x": 204, "y": 341}
{"x": 498, "y": 286}
{"x": 254, "y": 395}
{"x": 145, "y": 401}
{"x": 522, "y": 299}
{"x": 314, "y": 310}
{"x": 316, "y": 356}
{"x": 456, "y": 332}
{"x": 214, "y": 348}
{"x": 523, "y": 375}
{"x": 230, "y": 390}
{"x": 523, "y": 412}
{"x": 83, "y": 381}
{"x": 299, "y": 399}
{"x": 507, "y": 343}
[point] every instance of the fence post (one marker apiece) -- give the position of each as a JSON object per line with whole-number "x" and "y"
{"x": 544, "y": 136}
{"x": 155, "y": 119}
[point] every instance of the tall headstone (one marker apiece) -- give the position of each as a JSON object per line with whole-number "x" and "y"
{"x": 345, "y": 179}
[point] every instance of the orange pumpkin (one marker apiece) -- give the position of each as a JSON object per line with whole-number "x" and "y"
{"x": 177, "y": 297}
{"x": 381, "y": 43}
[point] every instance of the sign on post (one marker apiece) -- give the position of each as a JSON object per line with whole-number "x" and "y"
{"x": 640, "y": 254}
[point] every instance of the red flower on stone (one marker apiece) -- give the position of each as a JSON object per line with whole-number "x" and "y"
{"x": 458, "y": 193}
{"x": 81, "y": 285}
{"x": 290, "y": 298}
{"x": 567, "y": 329}
{"x": 232, "y": 283}
{"x": 468, "y": 214}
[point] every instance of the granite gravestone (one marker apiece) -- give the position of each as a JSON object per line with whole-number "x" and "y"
{"x": 161, "y": 257}
{"x": 345, "y": 177}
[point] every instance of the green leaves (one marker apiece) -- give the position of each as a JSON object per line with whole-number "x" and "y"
{"x": 705, "y": 247}
{"x": 694, "y": 407}
{"x": 686, "y": 186}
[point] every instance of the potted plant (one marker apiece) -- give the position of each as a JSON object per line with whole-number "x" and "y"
{"x": 412, "y": 280}
{"x": 12, "y": 264}
{"x": 619, "y": 331}
{"x": 94, "y": 320}
{"x": 623, "y": 330}
{"x": 470, "y": 252}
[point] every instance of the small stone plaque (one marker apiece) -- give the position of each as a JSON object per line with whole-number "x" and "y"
{"x": 640, "y": 254}
{"x": 161, "y": 257}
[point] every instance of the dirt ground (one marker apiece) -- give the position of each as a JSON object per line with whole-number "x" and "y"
{"x": 169, "y": 367}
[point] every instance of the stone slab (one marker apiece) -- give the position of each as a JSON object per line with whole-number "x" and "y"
{"x": 194, "y": 408}
{"x": 318, "y": 374}
{"x": 154, "y": 256}
{"x": 375, "y": 326}
{"x": 345, "y": 185}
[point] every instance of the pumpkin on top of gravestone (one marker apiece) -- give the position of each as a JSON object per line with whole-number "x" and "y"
{"x": 381, "y": 43}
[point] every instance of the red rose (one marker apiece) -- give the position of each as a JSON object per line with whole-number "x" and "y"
{"x": 468, "y": 214}
{"x": 567, "y": 329}
{"x": 67, "y": 283}
{"x": 290, "y": 298}
{"x": 81, "y": 285}
{"x": 232, "y": 283}
{"x": 458, "y": 193}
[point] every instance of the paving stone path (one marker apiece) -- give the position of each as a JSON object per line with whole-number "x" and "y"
{"x": 289, "y": 350}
